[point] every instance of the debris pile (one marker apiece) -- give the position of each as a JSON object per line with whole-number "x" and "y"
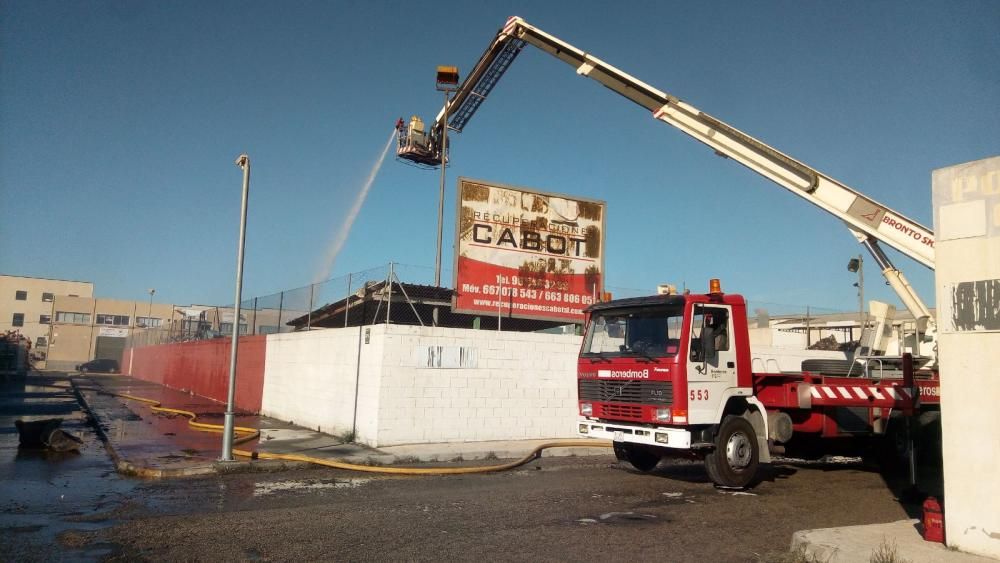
{"x": 46, "y": 434}
{"x": 14, "y": 352}
{"x": 830, "y": 343}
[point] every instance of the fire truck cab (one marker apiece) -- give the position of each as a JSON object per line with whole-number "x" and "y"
{"x": 670, "y": 374}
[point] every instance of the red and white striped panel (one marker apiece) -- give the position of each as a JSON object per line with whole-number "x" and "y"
{"x": 856, "y": 392}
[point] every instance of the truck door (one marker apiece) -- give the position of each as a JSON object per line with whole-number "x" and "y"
{"x": 711, "y": 366}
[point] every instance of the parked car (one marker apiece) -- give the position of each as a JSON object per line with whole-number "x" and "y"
{"x": 106, "y": 366}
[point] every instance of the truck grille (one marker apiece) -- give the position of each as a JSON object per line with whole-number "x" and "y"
{"x": 621, "y": 411}
{"x": 641, "y": 392}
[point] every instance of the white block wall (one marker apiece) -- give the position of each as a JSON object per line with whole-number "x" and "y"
{"x": 369, "y": 385}
{"x": 523, "y": 385}
{"x": 967, "y": 224}
{"x": 490, "y": 386}
{"x": 309, "y": 379}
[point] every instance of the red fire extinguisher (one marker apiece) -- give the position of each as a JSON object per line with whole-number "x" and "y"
{"x": 933, "y": 521}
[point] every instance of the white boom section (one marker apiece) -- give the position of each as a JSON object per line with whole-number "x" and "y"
{"x": 867, "y": 219}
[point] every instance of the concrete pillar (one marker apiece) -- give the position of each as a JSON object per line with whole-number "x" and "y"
{"x": 967, "y": 283}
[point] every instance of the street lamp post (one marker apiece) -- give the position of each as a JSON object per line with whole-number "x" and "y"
{"x": 858, "y": 265}
{"x": 243, "y": 161}
{"x": 447, "y": 82}
{"x": 149, "y": 311}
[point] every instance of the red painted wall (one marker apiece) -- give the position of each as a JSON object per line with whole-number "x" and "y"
{"x": 202, "y": 367}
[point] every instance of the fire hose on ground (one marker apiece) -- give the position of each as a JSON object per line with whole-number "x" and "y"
{"x": 246, "y": 434}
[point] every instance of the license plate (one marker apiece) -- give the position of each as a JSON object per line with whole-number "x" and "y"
{"x": 619, "y": 436}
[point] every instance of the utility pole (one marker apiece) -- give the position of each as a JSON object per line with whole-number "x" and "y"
{"x": 808, "y": 328}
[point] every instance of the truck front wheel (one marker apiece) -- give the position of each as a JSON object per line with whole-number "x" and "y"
{"x": 735, "y": 459}
{"x": 643, "y": 459}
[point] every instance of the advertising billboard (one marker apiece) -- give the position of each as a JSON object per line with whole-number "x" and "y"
{"x": 521, "y": 252}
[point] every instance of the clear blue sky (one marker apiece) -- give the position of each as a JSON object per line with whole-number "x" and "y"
{"x": 120, "y": 121}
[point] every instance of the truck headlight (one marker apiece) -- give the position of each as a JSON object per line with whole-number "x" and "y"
{"x": 586, "y": 409}
{"x": 663, "y": 415}
{"x": 662, "y": 438}
{"x": 583, "y": 428}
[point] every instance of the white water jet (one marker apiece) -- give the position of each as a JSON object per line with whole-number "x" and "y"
{"x": 345, "y": 227}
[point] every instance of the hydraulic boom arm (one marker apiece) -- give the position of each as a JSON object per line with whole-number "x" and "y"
{"x": 868, "y": 220}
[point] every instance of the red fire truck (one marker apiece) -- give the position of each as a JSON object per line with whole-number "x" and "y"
{"x": 672, "y": 375}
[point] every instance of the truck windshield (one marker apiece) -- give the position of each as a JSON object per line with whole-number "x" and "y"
{"x": 644, "y": 332}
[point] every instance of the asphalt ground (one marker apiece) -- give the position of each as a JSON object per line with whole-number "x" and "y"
{"x": 75, "y": 507}
{"x": 555, "y": 509}
{"x": 43, "y": 493}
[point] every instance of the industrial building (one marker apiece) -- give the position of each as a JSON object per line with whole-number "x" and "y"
{"x": 66, "y": 325}
{"x": 85, "y": 328}
{"x": 26, "y": 306}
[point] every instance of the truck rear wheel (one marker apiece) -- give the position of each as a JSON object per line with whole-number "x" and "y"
{"x": 890, "y": 451}
{"x": 643, "y": 459}
{"x": 735, "y": 459}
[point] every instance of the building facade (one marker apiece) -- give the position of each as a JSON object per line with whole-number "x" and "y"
{"x": 26, "y": 306}
{"x": 84, "y": 328}
{"x": 67, "y": 326}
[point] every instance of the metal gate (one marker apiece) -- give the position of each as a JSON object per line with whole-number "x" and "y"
{"x": 109, "y": 348}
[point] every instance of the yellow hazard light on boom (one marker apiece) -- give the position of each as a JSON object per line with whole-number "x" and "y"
{"x": 714, "y": 285}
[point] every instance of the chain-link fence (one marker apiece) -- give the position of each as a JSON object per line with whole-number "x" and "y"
{"x": 808, "y": 326}
{"x": 407, "y": 294}
{"x": 393, "y": 293}
{"x": 284, "y": 311}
